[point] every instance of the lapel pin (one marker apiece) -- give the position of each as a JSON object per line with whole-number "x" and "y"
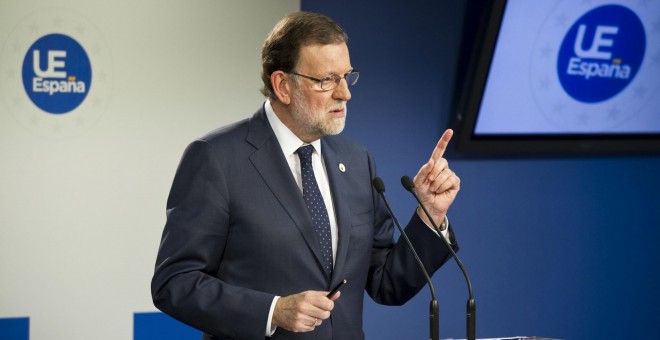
{"x": 342, "y": 168}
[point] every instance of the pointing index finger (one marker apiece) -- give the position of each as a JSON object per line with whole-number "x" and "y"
{"x": 441, "y": 147}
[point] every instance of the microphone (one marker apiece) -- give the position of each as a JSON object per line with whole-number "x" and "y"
{"x": 471, "y": 306}
{"x": 434, "y": 313}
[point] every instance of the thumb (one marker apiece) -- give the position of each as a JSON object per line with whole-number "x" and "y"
{"x": 336, "y": 296}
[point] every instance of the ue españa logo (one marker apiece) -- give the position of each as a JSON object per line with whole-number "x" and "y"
{"x": 601, "y": 53}
{"x": 57, "y": 73}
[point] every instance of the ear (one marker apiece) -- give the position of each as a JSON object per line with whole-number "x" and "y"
{"x": 281, "y": 86}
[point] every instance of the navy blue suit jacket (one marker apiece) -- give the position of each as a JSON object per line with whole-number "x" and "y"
{"x": 238, "y": 233}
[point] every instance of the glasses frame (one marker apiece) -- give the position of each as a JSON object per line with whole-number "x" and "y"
{"x": 332, "y": 80}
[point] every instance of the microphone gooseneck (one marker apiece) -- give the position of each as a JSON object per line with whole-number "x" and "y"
{"x": 409, "y": 185}
{"x": 434, "y": 314}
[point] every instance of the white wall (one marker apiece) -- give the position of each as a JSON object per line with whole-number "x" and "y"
{"x": 82, "y": 195}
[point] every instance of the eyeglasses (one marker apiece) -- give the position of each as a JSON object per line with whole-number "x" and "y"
{"x": 332, "y": 81}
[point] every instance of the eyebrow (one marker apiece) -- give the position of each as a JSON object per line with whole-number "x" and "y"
{"x": 342, "y": 74}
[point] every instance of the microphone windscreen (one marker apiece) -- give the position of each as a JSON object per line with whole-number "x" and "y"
{"x": 379, "y": 185}
{"x": 407, "y": 183}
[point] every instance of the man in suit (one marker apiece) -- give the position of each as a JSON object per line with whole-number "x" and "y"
{"x": 266, "y": 215}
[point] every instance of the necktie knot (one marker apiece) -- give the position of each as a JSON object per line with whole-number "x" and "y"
{"x": 305, "y": 153}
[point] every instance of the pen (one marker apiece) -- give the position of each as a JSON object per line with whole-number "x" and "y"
{"x": 334, "y": 291}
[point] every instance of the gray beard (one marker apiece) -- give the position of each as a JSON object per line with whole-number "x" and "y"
{"x": 311, "y": 125}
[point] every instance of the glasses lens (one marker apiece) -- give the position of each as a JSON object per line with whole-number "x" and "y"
{"x": 331, "y": 82}
{"x": 352, "y": 78}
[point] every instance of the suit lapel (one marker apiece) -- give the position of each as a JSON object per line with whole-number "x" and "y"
{"x": 274, "y": 169}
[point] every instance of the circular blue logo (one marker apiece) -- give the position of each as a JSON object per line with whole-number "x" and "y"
{"x": 57, "y": 73}
{"x": 601, "y": 53}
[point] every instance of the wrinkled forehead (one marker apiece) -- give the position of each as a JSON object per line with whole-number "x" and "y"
{"x": 324, "y": 59}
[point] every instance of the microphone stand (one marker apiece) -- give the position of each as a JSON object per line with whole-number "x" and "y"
{"x": 434, "y": 317}
{"x": 471, "y": 305}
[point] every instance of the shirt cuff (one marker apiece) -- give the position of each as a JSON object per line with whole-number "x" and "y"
{"x": 270, "y": 330}
{"x": 444, "y": 230}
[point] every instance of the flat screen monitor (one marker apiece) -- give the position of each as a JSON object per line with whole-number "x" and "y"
{"x": 564, "y": 77}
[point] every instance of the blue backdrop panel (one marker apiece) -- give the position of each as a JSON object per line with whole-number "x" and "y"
{"x": 159, "y": 326}
{"x": 15, "y": 329}
{"x": 559, "y": 247}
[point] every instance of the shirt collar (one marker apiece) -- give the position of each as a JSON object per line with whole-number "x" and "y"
{"x": 289, "y": 142}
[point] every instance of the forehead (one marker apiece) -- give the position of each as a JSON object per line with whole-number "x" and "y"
{"x": 324, "y": 59}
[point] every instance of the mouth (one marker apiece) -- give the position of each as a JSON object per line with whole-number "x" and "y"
{"x": 338, "y": 112}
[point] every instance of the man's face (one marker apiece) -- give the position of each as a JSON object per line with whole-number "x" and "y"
{"x": 316, "y": 113}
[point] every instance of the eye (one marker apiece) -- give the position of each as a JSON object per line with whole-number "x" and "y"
{"x": 328, "y": 79}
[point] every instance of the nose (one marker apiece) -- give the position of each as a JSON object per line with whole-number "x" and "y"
{"x": 341, "y": 92}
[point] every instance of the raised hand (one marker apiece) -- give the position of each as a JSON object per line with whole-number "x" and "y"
{"x": 436, "y": 184}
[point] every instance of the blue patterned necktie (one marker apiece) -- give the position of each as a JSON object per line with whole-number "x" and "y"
{"x": 316, "y": 206}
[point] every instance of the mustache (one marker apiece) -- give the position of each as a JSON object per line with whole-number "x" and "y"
{"x": 337, "y": 106}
